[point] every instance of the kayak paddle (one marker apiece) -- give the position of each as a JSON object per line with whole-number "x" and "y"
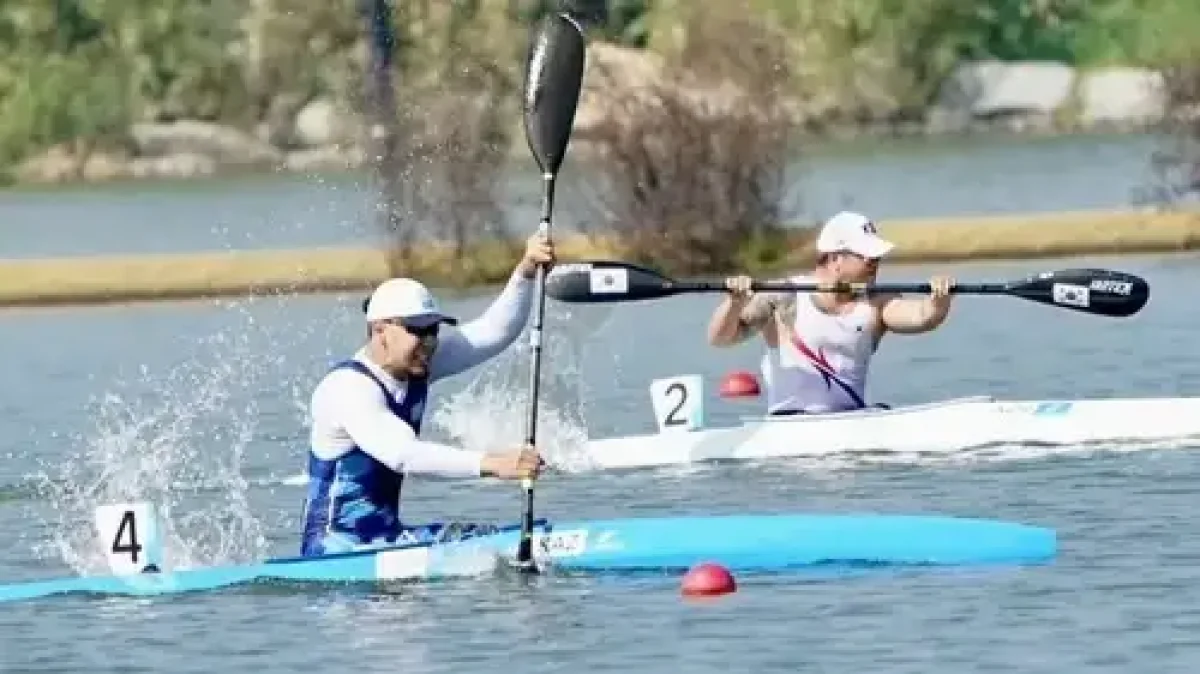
{"x": 1094, "y": 291}
{"x": 553, "y": 79}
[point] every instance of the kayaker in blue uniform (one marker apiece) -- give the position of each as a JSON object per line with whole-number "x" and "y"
{"x": 366, "y": 412}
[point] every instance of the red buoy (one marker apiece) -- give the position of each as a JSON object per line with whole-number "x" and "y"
{"x": 739, "y": 384}
{"x": 706, "y": 580}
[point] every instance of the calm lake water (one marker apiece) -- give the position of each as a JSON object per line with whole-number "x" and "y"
{"x": 199, "y": 407}
{"x": 887, "y": 180}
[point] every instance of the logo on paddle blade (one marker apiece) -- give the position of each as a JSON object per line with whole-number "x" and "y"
{"x": 1112, "y": 286}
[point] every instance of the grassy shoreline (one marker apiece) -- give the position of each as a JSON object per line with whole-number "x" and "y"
{"x": 190, "y": 276}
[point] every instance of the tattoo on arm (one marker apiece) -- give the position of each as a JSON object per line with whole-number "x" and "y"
{"x": 761, "y": 310}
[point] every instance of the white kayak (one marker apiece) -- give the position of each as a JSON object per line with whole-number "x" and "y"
{"x": 936, "y": 427}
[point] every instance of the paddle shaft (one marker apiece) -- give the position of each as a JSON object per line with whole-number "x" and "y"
{"x": 553, "y": 82}
{"x": 539, "y": 313}
{"x": 524, "y": 553}
{"x": 770, "y": 286}
{"x": 1101, "y": 292}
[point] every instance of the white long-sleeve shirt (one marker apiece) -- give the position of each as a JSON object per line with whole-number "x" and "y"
{"x": 348, "y": 409}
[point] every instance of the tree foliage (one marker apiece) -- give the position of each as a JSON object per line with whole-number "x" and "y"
{"x": 75, "y": 71}
{"x": 1176, "y": 163}
{"x": 690, "y": 169}
{"x": 455, "y": 116}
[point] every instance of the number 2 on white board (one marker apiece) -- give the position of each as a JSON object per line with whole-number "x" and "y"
{"x": 673, "y": 418}
{"x": 678, "y": 403}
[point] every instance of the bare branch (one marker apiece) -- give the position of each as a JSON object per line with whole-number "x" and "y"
{"x": 691, "y": 164}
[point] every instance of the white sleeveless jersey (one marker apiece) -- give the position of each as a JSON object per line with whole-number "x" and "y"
{"x": 821, "y": 361}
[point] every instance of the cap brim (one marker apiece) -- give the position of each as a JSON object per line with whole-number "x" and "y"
{"x": 876, "y": 247}
{"x": 425, "y": 320}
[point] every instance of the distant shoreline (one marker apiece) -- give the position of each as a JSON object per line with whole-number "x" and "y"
{"x": 1019, "y": 99}
{"x": 190, "y": 276}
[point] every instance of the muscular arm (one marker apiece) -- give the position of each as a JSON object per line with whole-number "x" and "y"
{"x": 486, "y": 336}
{"x": 347, "y": 403}
{"x": 911, "y": 315}
{"x": 731, "y": 325}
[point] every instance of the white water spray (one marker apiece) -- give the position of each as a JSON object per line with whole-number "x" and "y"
{"x": 178, "y": 439}
{"x": 490, "y": 413}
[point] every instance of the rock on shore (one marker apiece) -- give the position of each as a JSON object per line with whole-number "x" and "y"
{"x": 1022, "y": 97}
{"x": 1046, "y": 96}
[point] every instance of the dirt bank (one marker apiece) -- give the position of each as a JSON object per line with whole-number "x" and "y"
{"x": 91, "y": 280}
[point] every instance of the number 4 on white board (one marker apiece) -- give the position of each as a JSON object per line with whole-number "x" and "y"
{"x": 129, "y": 537}
{"x": 678, "y": 403}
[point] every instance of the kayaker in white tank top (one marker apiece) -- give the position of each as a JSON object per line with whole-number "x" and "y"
{"x": 821, "y": 364}
{"x": 819, "y": 345}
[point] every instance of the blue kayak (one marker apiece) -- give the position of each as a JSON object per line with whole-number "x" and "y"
{"x": 767, "y": 543}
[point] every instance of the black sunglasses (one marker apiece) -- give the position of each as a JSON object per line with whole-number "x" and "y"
{"x": 424, "y": 331}
{"x": 419, "y": 332}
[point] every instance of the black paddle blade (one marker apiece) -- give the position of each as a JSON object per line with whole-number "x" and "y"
{"x": 1094, "y": 291}
{"x": 598, "y": 282}
{"x": 553, "y": 78}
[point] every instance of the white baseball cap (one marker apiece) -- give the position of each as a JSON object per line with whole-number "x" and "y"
{"x": 405, "y": 299}
{"x": 852, "y": 232}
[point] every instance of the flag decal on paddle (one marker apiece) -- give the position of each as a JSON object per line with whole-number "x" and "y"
{"x": 608, "y": 281}
{"x": 1070, "y": 295}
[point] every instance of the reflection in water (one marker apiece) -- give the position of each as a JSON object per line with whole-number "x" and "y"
{"x": 408, "y": 625}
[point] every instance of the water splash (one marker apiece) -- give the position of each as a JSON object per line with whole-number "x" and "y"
{"x": 180, "y": 436}
{"x": 490, "y": 413}
{"x": 178, "y": 439}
